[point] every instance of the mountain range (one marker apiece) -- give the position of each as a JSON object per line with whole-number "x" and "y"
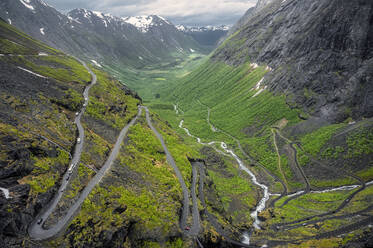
{"x": 264, "y": 142}
{"x": 207, "y": 36}
{"x": 131, "y": 41}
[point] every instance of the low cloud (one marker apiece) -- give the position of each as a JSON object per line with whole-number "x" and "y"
{"x": 189, "y": 12}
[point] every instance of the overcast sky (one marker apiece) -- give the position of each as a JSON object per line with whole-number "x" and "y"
{"x": 188, "y": 12}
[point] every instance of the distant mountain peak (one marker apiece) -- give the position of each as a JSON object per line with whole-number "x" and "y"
{"x": 144, "y": 22}
{"x": 184, "y": 28}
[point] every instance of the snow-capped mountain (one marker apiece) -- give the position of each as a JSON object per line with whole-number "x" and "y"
{"x": 207, "y": 36}
{"x": 202, "y": 29}
{"x": 103, "y": 37}
{"x": 153, "y": 33}
{"x": 145, "y": 23}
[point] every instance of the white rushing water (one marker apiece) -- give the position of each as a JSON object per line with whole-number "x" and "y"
{"x": 262, "y": 203}
{"x": 6, "y": 192}
{"x": 266, "y": 195}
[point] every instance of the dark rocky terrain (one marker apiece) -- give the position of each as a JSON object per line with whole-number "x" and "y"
{"x": 323, "y": 64}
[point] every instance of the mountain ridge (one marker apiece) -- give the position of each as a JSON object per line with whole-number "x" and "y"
{"x": 105, "y": 38}
{"x": 328, "y": 38}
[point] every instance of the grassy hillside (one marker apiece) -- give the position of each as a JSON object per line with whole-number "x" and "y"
{"x": 278, "y": 135}
{"x": 41, "y": 89}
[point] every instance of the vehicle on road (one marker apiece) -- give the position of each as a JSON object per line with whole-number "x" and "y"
{"x": 70, "y": 170}
{"x": 77, "y": 113}
{"x": 40, "y": 221}
{"x": 187, "y": 228}
{"x": 78, "y": 140}
{"x": 84, "y": 105}
{"x": 86, "y": 99}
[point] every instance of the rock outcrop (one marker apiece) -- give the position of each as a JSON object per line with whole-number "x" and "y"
{"x": 320, "y": 52}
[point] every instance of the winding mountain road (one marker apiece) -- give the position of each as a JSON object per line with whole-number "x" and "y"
{"x": 196, "y": 227}
{"x": 36, "y": 230}
{"x": 305, "y": 179}
{"x": 171, "y": 161}
{"x": 295, "y": 224}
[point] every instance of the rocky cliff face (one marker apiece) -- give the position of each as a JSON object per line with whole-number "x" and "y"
{"x": 246, "y": 17}
{"x": 320, "y": 52}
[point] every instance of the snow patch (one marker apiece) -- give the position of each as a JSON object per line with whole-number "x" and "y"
{"x": 203, "y": 29}
{"x": 74, "y": 20}
{"x": 164, "y": 19}
{"x": 257, "y": 93}
{"x": 38, "y": 75}
{"x": 254, "y": 65}
{"x": 42, "y": 54}
{"x": 10, "y": 21}
{"x": 26, "y": 3}
{"x": 142, "y": 23}
{"x": 140, "y": 58}
{"x": 99, "y": 14}
{"x": 86, "y": 14}
{"x": 257, "y": 86}
{"x": 44, "y": 3}
{"x": 95, "y": 63}
{"x": 42, "y": 31}
{"x": 192, "y": 50}
{"x": 6, "y": 192}
{"x": 180, "y": 27}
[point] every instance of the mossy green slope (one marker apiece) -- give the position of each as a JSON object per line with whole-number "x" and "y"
{"x": 41, "y": 89}
{"x": 138, "y": 202}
